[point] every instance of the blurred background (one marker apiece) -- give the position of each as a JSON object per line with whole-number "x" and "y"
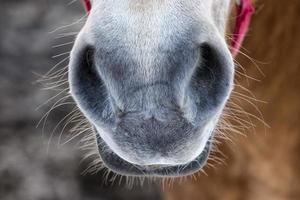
{"x": 262, "y": 163}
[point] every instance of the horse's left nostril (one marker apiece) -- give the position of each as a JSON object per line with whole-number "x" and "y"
{"x": 212, "y": 79}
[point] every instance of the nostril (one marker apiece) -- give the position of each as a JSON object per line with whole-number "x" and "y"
{"x": 89, "y": 59}
{"x": 82, "y": 67}
{"x": 209, "y": 70}
{"x": 86, "y": 59}
{"x": 86, "y": 85}
{"x": 212, "y": 79}
{"x": 207, "y": 65}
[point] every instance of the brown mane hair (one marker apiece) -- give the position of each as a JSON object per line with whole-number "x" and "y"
{"x": 265, "y": 165}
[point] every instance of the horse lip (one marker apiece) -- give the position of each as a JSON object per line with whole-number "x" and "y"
{"x": 120, "y": 166}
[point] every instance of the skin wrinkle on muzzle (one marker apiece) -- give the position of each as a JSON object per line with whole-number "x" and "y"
{"x": 153, "y": 82}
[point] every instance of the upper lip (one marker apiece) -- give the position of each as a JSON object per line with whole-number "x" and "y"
{"x": 120, "y": 166}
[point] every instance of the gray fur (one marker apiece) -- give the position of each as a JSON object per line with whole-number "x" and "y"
{"x": 152, "y": 77}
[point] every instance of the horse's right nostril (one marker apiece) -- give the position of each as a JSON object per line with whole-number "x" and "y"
{"x": 87, "y": 86}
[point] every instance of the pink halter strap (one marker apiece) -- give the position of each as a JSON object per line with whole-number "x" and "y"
{"x": 87, "y": 5}
{"x": 245, "y": 10}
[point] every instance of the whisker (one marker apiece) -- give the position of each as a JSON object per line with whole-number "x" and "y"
{"x": 62, "y": 45}
{"x": 62, "y": 54}
{"x": 69, "y": 25}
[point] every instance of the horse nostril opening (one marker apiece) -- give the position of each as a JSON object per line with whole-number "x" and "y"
{"x": 87, "y": 86}
{"x": 212, "y": 78}
{"x": 208, "y": 70}
{"x": 82, "y": 66}
{"x": 89, "y": 58}
{"x": 88, "y": 64}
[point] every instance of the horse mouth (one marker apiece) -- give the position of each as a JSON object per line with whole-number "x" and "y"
{"x": 118, "y": 165}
